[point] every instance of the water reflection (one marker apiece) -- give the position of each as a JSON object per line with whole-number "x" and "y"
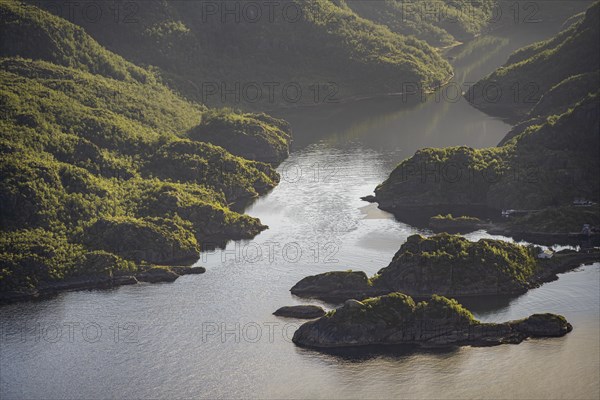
{"x": 342, "y": 152}
{"x": 392, "y": 353}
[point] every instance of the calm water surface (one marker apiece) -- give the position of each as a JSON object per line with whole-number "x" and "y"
{"x": 213, "y": 336}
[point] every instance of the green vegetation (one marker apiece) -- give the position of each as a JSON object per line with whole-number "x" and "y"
{"x": 533, "y": 71}
{"x": 399, "y": 310}
{"x": 566, "y": 93}
{"x": 450, "y": 224}
{"x": 395, "y": 319}
{"x": 544, "y": 166}
{"x": 566, "y": 219}
{"x": 444, "y": 264}
{"x": 450, "y": 218}
{"x": 442, "y": 308}
{"x": 547, "y": 160}
{"x": 155, "y": 240}
{"x": 253, "y": 136}
{"x": 439, "y": 24}
{"x": 28, "y": 32}
{"x": 29, "y": 257}
{"x": 313, "y": 42}
{"x": 99, "y": 173}
{"x": 451, "y": 176}
{"x": 452, "y": 265}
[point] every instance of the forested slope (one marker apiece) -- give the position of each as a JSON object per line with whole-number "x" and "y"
{"x": 100, "y": 169}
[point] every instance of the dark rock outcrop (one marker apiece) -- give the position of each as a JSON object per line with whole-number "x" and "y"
{"x": 304, "y": 311}
{"x": 148, "y": 274}
{"x": 188, "y": 270}
{"x": 335, "y": 286}
{"x": 369, "y": 199}
{"x": 396, "y": 319}
{"x": 157, "y": 274}
{"x": 451, "y": 224}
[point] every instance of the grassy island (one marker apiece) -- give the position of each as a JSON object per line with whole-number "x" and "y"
{"x": 439, "y": 322}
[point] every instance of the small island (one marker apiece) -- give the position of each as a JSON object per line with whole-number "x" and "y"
{"x": 336, "y": 286}
{"x": 449, "y": 265}
{"x": 396, "y": 319}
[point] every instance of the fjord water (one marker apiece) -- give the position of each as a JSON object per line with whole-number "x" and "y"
{"x": 213, "y": 335}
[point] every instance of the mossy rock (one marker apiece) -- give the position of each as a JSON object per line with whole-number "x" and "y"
{"x": 453, "y": 266}
{"x": 95, "y": 161}
{"x": 157, "y": 274}
{"x": 335, "y": 286}
{"x": 302, "y": 312}
{"x": 542, "y": 325}
{"x": 444, "y": 264}
{"x": 439, "y": 322}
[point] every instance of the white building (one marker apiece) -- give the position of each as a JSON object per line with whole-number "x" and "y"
{"x": 545, "y": 254}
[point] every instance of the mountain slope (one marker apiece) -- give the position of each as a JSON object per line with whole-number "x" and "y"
{"x": 439, "y": 24}
{"x": 514, "y": 89}
{"x": 298, "y": 43}
{"x": 549, "y": 159}
{"x": 99, "y": 173}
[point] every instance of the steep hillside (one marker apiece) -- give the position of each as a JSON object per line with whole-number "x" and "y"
{"x": 99, "y": 171}
{"x": 440, "y": 23}
{"x": 547, "y": 165}
{"x": 548, "y": 159}
{"x": 205, "y": 49}
{"x": 29, "y": 32}
{"x": 532, "y": 72}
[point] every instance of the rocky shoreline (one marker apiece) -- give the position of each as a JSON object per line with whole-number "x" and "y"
{"x": 302, "y": 312}
{"x": 452, "y": 224}
{"x": 336, "y": 286}
{"x": 152, "y": 274}
{"x": 476, "y": 217}
{"x": 544, "y": 238}
{"x": 396, "y": 319}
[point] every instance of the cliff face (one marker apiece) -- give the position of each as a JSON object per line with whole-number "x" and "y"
{"x": 396, "y": 319}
